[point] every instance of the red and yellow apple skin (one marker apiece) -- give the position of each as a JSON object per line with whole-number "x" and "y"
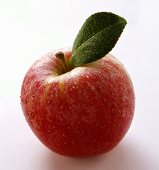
{"x": 83, "y": 112}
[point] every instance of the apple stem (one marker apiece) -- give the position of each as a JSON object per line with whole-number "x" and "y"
{"x": 61, "y": 56}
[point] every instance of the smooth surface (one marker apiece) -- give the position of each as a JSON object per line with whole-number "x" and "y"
{"x": 30, "y": 29}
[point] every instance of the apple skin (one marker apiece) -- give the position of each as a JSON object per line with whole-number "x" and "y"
{"x": 83, "y": 112}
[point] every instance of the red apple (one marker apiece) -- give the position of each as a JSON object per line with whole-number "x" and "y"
{"x": 81, "y": 111}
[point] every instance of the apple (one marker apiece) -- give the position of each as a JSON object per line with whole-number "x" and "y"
{"x": 78, "y": 111}
{"x": 83, "y": 112}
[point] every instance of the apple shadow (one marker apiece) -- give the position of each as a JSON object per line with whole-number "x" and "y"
{"x": 126, "y": 156}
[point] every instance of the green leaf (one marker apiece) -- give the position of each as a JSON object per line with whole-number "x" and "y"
{"x": 97, "y": 37}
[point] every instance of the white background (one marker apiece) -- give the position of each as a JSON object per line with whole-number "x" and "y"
{"x": 31, "y": 28}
